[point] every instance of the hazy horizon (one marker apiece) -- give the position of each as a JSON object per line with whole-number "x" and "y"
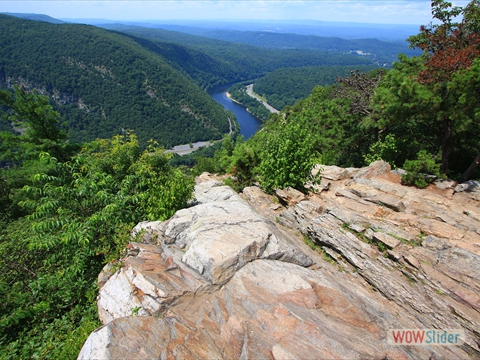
{"x": 396, "y": 12}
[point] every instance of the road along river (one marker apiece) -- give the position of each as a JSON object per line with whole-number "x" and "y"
{"x": 249, "y": 124}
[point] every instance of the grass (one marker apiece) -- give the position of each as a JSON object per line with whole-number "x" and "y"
{"x": 440, "y": 292}
{"x": 319, "y": 250}
{"x": 414, "y": 243}
{"x": 379, "y": 245}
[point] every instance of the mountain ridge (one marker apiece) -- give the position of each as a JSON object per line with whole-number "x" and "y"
{"x": 111, "y": 83}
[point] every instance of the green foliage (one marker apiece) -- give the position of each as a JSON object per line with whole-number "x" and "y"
{"x": 284, "y": 87}
{"x": 34, "y": 117}
{"x": 385, "y": 150}
{"x": 418, "y": 170}
{"x": 256, "y": 108}
{"x": 80, "y": 216}
{"x": 287, "y": 158}
{"x": 34, "y": 114}
{"x": 211, "y": 62}
{"x": 245, "y": 158}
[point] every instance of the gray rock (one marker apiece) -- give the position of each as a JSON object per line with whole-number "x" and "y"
{"x": 146, "y": 282}
{"x": 268, "y": 308}
{"x": 445, "y": 184}
{"x": 222, "y": 236}
{"x": 390, "y": 201}
{"x": 290, "y": 196}
{"x": 224, "y": 282}
{"x": 468, "y": 186}
{"x": 147, "y": 231}
{"x": 213, "y": 190}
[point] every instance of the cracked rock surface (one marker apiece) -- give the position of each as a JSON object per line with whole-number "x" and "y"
{"x": 230, "y": 278}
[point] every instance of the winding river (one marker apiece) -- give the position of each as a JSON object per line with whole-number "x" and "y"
{"x": 248, "y": 123}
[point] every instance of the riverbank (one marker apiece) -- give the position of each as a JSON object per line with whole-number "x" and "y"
{"x": 252, "y": 94}
{"x": 239, "y": 103}
{"x": 189, "y": 148}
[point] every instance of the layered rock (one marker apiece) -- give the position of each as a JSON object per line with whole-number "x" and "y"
{"x": 224, "y": 280}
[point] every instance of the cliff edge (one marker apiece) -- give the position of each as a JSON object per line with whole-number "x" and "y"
{"x": 232, "y": 277}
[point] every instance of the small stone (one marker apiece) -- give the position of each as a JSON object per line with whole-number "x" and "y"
{"x": 290, "y": 196}
{"x": 356, "y": 227}
{"x": 395, "y": 255}
{"x": 334, "y": 173}
{"x": 412, "y": 260}
{"x": 388, "y": 240}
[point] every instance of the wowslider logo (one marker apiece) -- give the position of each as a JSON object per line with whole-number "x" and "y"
{"x": 425, "y": 337}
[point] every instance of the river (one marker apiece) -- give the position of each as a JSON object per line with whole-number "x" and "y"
{"x": 249, "y": 124}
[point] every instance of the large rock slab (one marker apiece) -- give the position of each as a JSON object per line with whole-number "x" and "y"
{"x": 219, "y": 280}
{"x": 149, "y": 280}
{"x": 376, "y": 168}
{"x": 268, "y": 310}
{"x": 220, "y": 237}
{"x": 197, "y": 248}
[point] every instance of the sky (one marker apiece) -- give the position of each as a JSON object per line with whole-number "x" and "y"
{"x": 415, "y": 12}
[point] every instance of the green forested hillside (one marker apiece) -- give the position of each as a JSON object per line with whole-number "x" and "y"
{"x": 66, "y": 212}
{"x": 422, "y": 115}
{"x": 36, "y": 17}
{"x": 384, "y": 52}
{"x": 210, "y": 61}
{"x": 284, "y": 87}
{"x": 103, "y": 83}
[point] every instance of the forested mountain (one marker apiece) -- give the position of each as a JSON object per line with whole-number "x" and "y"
{"x": 422, "y": 116}
{"x": 383, "y": 52}
{"x": 36, "y": 17}
{"x": 210, "y": 61}
{"x": 284, "y": 87}
{"x": 344, "y": 30}
{"x": 104, "y": 82}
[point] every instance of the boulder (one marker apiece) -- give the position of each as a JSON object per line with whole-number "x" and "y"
{"x": 376, "y": 168}
{"x": 269, "y": 309}
{"x": 334, "y": 173}
{"x": 290, "y": 196}
{"x": 387, "y": 240}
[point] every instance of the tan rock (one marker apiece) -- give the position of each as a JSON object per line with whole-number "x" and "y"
{"x": 334, "y": 173}
{"x": 290, "y": 196}
{"x": 386, "y": 239}
{"x": 225, "y": 282}
{"x": 376, "y": 168}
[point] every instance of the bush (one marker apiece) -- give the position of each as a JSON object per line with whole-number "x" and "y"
{"x": 421, "y": 172}
{"x": 385, "y": 150}
{"x": 287, "y": 158}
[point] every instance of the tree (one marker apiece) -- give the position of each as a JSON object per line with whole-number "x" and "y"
{"x": 359, "y": 89}
{"x": 449, "y": 47}
{"x": 33, "y": 115}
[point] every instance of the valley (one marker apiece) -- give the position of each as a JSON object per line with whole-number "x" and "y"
{"x": 259, "y": 231}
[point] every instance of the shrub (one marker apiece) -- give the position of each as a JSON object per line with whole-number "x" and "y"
{"x": 287, "y": 158}
{"x": 422, "y": 171}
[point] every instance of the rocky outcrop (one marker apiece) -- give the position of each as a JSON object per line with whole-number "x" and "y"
{"x": 232, "y": 277}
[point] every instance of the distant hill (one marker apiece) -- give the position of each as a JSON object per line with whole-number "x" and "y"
{"x": 344, "y": 30}
{"x": 211, "y": 61}
{"x": 36, "y": 17}
{"x": 104, "y": 82}
{"x": 380, "y": 52}
{"x": 287, "y": 86}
